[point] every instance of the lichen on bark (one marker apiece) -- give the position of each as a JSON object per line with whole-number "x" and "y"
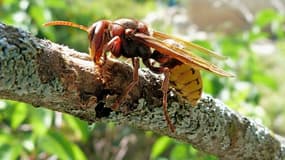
{"x": 45, "y": 74}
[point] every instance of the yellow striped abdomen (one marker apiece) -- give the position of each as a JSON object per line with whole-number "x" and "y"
{"x": 187, "y": 82}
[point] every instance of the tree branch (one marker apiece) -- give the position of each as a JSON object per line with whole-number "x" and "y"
{"x": 46, "y": 74}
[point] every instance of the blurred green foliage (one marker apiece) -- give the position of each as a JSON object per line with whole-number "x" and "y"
{"x": 35, "y": 133}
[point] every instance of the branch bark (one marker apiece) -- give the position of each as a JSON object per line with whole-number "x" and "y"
{"x": 46, "y": 74}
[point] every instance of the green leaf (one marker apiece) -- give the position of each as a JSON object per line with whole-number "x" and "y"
{"x": 192, "y": 151}
{"x": 266, "y": 80}
{"x": 179, "y": 152}
{"x": 6, "y": 152}
{"x": 80, "y": 128}
{"x": 19, "y": 114}
{"x": 231, "y": 46}
{"x": 265, "y": 17}
{"x": 160, "y": 146}
{"x": 5, "y": 138}
{"x": 41, "y": 120}
{"x": 78, "y": 154}
{"x": 9, "y": 147}
{"x": 39, "y": 14}
{"x": 55, "y": 4}
{"x": 9, "y": 2}
{"x": 56, "y": 144}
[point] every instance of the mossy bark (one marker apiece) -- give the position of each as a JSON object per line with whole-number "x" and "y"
{"x": 45, "y": 74}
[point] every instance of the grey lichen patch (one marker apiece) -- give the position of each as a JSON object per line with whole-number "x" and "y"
{"x": 18, "y": 65}
{"x": 142, "y": 117}
{"x": 258, "y": 136}
{"x": 187, "y": 120}
{"x": 203, "y": 125}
